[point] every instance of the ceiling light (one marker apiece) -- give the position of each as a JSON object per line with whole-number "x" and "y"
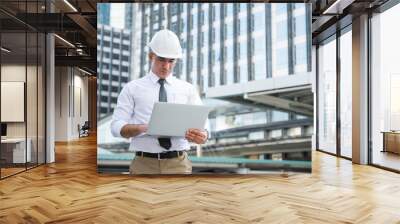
{"x": 5, "y": 49}
{"x": 338, "y": 6}
{"x": 84, "y": 71}
{"x": 64, "y": 40}
{"x": 70, "y": 5}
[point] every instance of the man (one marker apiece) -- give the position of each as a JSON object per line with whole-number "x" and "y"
{"x": 135, "y": 103}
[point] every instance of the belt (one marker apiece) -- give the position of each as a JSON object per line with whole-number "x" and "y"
{"x": 163, "y": 155}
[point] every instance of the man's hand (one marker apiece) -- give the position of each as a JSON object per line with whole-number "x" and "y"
{"x": 196, "y": 135}
{"x": 132, "y": 130}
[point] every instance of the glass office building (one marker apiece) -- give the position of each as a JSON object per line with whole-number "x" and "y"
{"x": 129, "y": 16}
{"x": 113, "y": 66}
{"x": 104, "y": 15}
{"x": 229, "y": 43}
{"x": 114, "y": 45}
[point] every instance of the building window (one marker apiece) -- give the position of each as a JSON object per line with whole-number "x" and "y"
{"x": 327, "y": 96}
{"x": 114, "y": 89}
{"x": 385, "y": 85}
{"x": 346, "y": 94}
{"x": 252, "y": 23}
{"x": 281, "y": 31}
{"x": 104, "y": 87}
{"x": 212, "y": 57}
{"x": 114, "y": 78}
{"x": 299, "y": 24}
{"x": 124, "y": 69}
{"x": 125, "y": 58}
{"x": 282, "y": 58}
{"x": 191, "y": 26}
{"x": 174, "y": 26}
{"x": 281, "y": 8}
{"x": 202, "y": 39}
{"x": 103, "y": 110}
{"x": 124, "y": 79}
{"x": 190, "y": 64}
{"x": 115, "y": 56}
{"x": 174, "y": 9}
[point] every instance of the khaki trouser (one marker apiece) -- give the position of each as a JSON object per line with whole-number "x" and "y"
{"x": 146, "y": 165}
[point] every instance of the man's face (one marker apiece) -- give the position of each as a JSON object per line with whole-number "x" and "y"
{"x": 162, "y": 67}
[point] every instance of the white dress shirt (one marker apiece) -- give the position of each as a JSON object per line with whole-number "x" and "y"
{"x": 135, "y": 104}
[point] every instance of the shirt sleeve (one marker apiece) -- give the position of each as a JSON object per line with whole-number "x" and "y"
{"x": 123, "y": 112}
{"x": 194, "y": 97}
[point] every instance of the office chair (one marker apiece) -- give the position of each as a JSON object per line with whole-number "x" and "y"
{"x": 84, "y": 130}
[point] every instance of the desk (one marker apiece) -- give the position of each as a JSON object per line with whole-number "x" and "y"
{"x": 391, "y": 141}
{"x": 13, "y": 150}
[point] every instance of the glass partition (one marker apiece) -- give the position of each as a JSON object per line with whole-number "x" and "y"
{"x": 13, "y": 95}
{"x": 22, "y": 88}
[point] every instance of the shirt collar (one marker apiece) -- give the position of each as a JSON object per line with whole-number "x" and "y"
{"x": 154, "y": 78}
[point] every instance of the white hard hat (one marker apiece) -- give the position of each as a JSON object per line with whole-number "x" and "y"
{"x": 166, "y": 44}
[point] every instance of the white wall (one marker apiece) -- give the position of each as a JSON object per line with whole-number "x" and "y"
{"x": 61, "y": 103}
{"x": 33, "y": 126}
{"x": 13, "y": 73}
{"x": 71, "y": 94}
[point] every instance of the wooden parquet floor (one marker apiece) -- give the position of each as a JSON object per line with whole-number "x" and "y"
{"x": 71, "y": 191}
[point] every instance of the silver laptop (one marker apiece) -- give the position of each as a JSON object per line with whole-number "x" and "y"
{"x": 170, "y": 119}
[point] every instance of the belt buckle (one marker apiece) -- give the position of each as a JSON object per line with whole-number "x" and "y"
{"x": 158, "y": 155}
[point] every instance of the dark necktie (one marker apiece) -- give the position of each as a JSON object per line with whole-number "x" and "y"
{"x": 162, "y": 97}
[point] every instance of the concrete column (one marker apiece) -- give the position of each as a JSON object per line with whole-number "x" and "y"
{"x": 360, "y": 90}
{"x": 50, "y": 99}
{"x": 314, "y": 90}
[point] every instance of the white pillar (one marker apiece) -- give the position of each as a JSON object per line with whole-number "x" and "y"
{"x": 360, "y": 90}
{"x": 50, "y": 99}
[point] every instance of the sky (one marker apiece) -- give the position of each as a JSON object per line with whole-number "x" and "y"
{"x": 117, "y": 15}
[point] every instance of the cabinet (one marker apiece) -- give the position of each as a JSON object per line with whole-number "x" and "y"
{"x": 13, "y": 150}
{"x": 391, "y": 142}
